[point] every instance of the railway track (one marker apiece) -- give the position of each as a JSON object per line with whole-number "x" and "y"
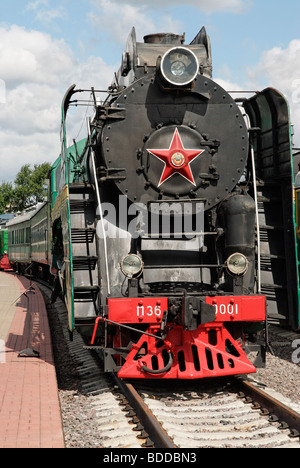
{"x": 219, "y": 414}
{"x": 184, "y": 415}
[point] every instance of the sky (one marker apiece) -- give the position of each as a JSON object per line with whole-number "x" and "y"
{"x": 47, "y": 45}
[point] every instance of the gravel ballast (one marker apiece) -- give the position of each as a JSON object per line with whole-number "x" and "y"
{"x": 281, "y": 375}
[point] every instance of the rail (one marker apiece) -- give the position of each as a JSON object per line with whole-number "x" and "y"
{"x": 277, "y": 410}
{"x": 157, "y": 433}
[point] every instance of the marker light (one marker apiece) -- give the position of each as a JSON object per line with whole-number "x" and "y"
{"x": 237, "y": 264}
{"x": 179, "y": 66}
{"x": 131, "y": 265}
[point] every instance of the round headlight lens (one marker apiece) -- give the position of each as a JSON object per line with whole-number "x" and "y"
{"x": 179, "y": 66}
{"x": 237, "y": 264}
{"x": 131, "y": 265}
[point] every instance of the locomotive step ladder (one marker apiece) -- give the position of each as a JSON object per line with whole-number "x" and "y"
{"x": 80, "y": 235}
{"x": 84, "y": 251}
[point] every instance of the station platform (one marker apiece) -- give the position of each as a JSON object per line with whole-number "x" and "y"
{"x": 29, "y": 404}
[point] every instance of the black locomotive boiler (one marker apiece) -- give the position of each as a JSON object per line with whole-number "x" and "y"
{"x": 155, "y": 217}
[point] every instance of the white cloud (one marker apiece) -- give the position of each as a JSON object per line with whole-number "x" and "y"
{"x": 43, "y": 12}
{"x": 143, "y": 15}
{"x": 280, "y": 69}
{"x": 18, "y": 149}
{"x": 35, "y": 72}
{"x": 277, "y": 68}
{"x": 235, "y": 6}
{"x": 36, "y": 4}
{"x": 2, "y": 91}
{"x": 31, "y": 108}
{"x": 278, "y": 65}
{"x": 32, "y": 56}
{"x": 129, "y": 14}
{"x": 228, "y": 85}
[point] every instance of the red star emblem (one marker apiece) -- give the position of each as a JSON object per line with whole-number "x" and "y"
{"x": 176, "y": 159}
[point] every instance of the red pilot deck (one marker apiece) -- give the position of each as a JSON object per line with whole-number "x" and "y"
{"x": 209, "y": 350}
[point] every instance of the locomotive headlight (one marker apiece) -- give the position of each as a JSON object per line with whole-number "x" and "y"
{"x": 179, "y": 66}
{"x": 132, "y": 265}
{"x": 237, "y": 264}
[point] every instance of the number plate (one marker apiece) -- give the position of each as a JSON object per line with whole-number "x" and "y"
{"x": 150, "y": 310}
{"x": 240, "y": 308}
{"x": 137, "y": 310}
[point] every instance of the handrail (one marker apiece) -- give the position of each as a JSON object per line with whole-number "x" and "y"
{"x": 99, "y": 206}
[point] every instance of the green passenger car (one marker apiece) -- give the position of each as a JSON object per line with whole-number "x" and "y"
{"x": 3, "y": 241}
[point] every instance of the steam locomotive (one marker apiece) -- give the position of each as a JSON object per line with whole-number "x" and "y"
{"x": 164, "y": 227}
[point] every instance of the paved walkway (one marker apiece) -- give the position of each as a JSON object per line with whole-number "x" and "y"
{"x": 29, "y": 404}
{"x": 9, "y": 292}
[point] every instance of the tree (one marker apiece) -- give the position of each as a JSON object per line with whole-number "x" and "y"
{"x": 29, "y": 185}
{"x": 39, "y": 189}
{"x": 23, "y": 188}
{"x": 6, "y": 196}
{"x": 28, "y": 189}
